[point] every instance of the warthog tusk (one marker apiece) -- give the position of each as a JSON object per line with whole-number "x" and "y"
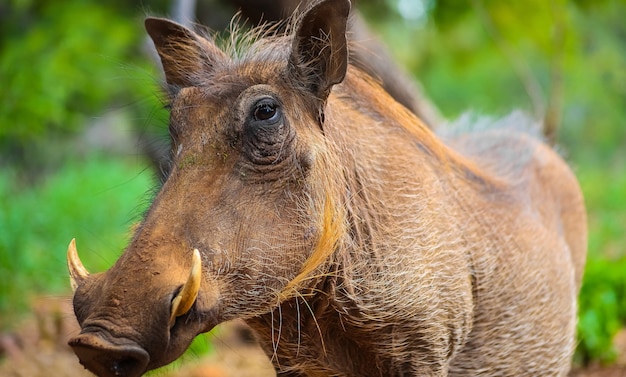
{"x": 78, "y": 272}
{"x": 188, "y": 294}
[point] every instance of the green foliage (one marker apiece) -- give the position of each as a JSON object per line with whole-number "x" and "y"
{"x": 602, "y": 309}
{"x": 490, "y": 55}
{"x": 91, "y": 200}
{"x": 60, "y": 63}
{"x": 602, "y": 304}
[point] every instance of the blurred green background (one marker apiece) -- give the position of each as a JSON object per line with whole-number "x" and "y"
{"x": 80, "y": 95}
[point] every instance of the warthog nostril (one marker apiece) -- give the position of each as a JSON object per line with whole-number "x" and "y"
{"x": 106, "y": 359}
{"x": 125, "y": 366}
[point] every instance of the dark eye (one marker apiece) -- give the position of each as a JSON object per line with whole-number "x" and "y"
{"x": 266, "y": 111}
{"x": 266, "y": 132}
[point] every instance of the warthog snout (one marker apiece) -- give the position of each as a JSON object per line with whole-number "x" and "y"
{"x": 112, "y": 340}
{"x": 105, "y": 358}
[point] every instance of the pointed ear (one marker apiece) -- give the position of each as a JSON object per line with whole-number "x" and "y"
{"x": 319, "y": 55}
{"x": 187, "y": 57}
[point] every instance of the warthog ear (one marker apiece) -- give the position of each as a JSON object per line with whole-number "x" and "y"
{"x": 187, "y": 57}
{"x": 319, "y": 54}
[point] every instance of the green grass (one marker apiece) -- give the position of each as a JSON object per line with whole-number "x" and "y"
{"x": 93, "y": 200}
{"x": 602, "y": 303}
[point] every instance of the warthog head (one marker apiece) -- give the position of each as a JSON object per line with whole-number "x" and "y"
{"x": 246, "y": 216}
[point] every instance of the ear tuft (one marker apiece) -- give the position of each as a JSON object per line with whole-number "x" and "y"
{"x": 319, "y": 55}
{"x": 186, "y": 56}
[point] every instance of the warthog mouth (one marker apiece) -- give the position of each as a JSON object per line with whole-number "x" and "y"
{"x": 106, "y": 359}
{"x": 113, "y": 347}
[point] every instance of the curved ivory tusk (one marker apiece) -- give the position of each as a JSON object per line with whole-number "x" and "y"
{"x": 78, "y": 272}
{"x": 187, "y": 296}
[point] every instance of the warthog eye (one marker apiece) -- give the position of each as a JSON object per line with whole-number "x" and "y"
{"x": 267, "y": 111}
{"x": 267, "y": 133}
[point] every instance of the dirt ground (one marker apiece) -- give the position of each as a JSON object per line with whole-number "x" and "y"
{"x": 38, "y": 348}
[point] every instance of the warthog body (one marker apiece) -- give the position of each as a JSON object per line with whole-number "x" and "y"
{"x": 348, "y": 236}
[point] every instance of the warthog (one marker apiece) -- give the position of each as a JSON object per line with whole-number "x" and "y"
{"x": 352, "y": 240}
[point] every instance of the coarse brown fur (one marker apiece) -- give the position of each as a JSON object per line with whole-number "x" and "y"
{"x": 348, "y": 236}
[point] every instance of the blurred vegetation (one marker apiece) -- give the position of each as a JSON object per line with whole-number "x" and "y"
{"x": 62, "y": 63}
{"x": 95, "y": 200}
{"x": 66, "y": 65}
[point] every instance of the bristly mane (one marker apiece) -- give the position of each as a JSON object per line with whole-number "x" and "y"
{"x": 242, "y": 42}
